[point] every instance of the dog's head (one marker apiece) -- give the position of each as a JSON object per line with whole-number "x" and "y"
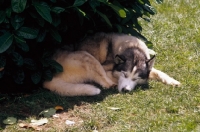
{"x": 131, "y": 68}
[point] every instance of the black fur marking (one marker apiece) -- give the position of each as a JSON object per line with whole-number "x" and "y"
{"x": 134, "y": 57}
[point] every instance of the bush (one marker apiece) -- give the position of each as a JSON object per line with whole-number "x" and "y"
{"x": 30, "y": 30}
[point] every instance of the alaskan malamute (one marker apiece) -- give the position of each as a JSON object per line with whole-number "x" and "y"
{"x": 109, "y": 60}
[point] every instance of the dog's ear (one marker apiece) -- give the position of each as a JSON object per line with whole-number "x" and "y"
{"x": 119, "y": 59}
{"x": 150, "y": 62}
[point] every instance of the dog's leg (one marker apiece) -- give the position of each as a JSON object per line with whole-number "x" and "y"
{"x": 108, "y": 67}
{"x": 100, "y": 76}
{"x": 163, "y": 77}
{"x": 78, "y": 67}
{"x": 110, "y": 75}
{"x": 64, "y": 88}
{"x": 96, "y": 72}
{"x": 86, "y": 68}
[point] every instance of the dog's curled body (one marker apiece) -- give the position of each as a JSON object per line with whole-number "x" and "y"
{"x": 78, "y": 67}
{"x": 107, "y": 59}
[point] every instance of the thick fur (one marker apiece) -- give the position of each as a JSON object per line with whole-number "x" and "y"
{"x": 109, "y": 60}
{"x": 78, "y": 67}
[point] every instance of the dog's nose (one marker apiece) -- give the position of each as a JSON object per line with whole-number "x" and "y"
{"x": 125, "y": 90}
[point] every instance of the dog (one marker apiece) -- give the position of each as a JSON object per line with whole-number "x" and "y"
{"x": 108, "y": 59}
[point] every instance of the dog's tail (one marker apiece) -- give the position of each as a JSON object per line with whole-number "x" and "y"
{"x": 70, "y": 89}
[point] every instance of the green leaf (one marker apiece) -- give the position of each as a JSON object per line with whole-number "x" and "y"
{"x": 41, "y": 22}
{"x": 44, "y": 10}
{"x": 103, "y": 1}
{"x": 34, "y": 15}
{"x": 133, "y": 32}
{"x": 3, "y": 15}
{"x": 30, "y": 64}
{"x": 48, "y": 112}
{"x": 46, "y": 54}
{"x": 10, "y": 121}
{"x": 19, "y": 39}
{"x": 41, "y": 35}
{"x": 8, "y": 12}
{"x": 23, "y": 46}
{"x": 17, "y": 21}
{"x": 5, "y": 41}
{"x": 138, "y": 10}
{"x": 94, "y": 4}
{"x": 137, "y": 26}
{"x": 36, "y": 77}
{"x": 48, "y": 75}
{"x": 57, "y": 9}
{"x": 18, "y": 6}
{"x": 147, "y": 19}
{"x": 27, "y": 33}
{"x": 79, "y": 2}
{"x": 105, "y": 18}
{"x": 127, "y": 19}
{"x": 119, "y": 28}
{"x": 55, "y": 35}
{"x": 81, "y": 15}
{"x": 56, "y": 20}
{"x": 140, "y": 1}
{"x": 54, "y": 64}
{"x": 17, "y": 58}
{"x": 159, "y": 1}
{"x": 81, "y": 12}
{"x": 118, "y": 10}
{"x": 150, "y": 9}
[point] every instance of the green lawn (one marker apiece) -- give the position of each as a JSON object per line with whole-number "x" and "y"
{"x": 175, "y": 33}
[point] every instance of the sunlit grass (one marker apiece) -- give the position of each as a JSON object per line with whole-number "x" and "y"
{"x": 175, "y": 33}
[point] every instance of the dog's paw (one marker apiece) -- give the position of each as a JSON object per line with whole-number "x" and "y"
{"x": 109, "y": 85}
{"x": 173, "y": 82}
{"x": 113, "y": 85}
{"x": 95, "y": 91}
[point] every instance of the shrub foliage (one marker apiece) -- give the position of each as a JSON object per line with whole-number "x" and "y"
{"x": 30, "y": 29}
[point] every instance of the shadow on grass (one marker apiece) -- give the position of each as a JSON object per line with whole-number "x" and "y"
{"x": 22, "y": 106}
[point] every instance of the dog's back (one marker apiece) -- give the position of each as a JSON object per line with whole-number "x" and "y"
{"x": 121, "y": 42}
{"x": 105, "y": 45}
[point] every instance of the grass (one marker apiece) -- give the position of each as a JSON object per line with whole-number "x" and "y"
{"x": 174, "y": 31}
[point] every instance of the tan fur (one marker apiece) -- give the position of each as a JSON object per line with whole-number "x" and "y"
{"x": 78, "y": 67}
{"x": 94, "y": 62}
{"x": 162, "y": 77}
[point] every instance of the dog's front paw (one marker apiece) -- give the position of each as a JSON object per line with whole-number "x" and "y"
{"x": 173, "y": 82}
{"x": 95, "y": 91}
{"x": 109, "y": 85}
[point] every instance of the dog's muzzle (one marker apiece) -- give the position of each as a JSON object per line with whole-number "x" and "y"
{"x": 126, "y": 84}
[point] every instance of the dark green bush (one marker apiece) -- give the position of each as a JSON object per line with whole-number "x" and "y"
{"x": 31, "y": 29}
